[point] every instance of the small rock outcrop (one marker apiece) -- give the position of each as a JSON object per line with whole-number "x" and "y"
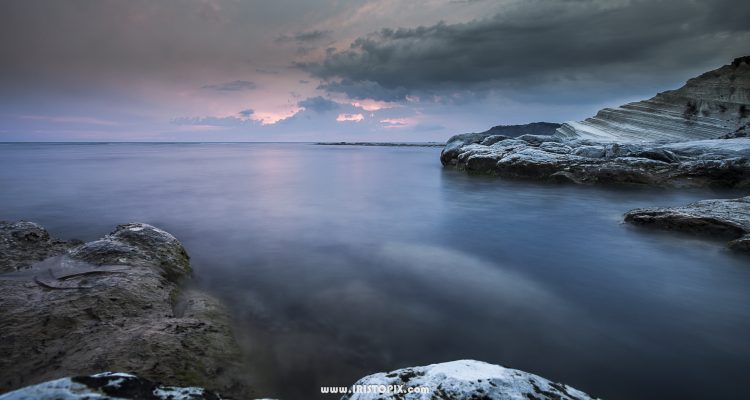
{"x": 727, "y": 218}
{"x": 494, "y": 135}
{"x": 707, "y": 107}
{"x": 464, "y": 379}
{"x": 114, "y": 304}
{"x": 108, "y": 385}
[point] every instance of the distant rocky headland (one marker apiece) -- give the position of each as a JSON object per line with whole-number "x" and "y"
{"x": 694, "y": 136}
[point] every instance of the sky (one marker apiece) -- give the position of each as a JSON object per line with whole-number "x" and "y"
{"x": 332, "y": 70}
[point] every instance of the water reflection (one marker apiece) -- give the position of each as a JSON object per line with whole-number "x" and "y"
{"x": 341, "y": 261}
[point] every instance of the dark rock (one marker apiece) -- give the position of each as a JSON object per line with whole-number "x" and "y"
{"x": 24, "y": 243}
{"x": 126, "y": 312}
{"x": 137, "y": 245}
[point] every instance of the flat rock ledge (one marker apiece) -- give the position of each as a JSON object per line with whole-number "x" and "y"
{"x": 714, "y": 162}
{"x": 727, "y": 218}
{"x": 108, "y": 385}
{"x": 115, "y": 304}
{"x": 465, "y": 380}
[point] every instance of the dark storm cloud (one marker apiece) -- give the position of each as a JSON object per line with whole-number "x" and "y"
{"x": 233, "y": 86}
{"x": 360, "y": 90}
{"x": 246, "y": 113}
{"x": 542, "y": 42}
{"x": 318, "y": 104}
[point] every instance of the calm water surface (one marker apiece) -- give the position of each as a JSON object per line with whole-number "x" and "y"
{"x": 341, "y": 261}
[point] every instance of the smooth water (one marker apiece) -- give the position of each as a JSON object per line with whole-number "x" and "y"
{"x": 340, "y": 261}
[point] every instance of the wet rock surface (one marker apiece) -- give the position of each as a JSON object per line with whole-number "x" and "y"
{"x": 23, "y": 243}
{"x": 466, "y": 379}
{"x": 727, "y": 218}
{"x": 118, "y": 303}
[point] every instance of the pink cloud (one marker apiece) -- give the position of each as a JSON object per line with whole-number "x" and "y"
{"x": 373, "y": 105}
{"x": 271, "y": 117}
{"x": 350, "y": 117}
{"x": 390, "y": 123}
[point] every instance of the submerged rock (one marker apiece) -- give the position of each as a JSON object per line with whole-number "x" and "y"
{"x": 113, "y": 304}
{"x": 464, "y": 379}
{"x": 723, "y": 218}
{"x": 108, "y": 385}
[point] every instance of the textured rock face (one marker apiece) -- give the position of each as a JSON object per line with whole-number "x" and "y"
{"x": 114, "y": 304}
{"x": 722, "y": 218}
{"x": 466, "y": 379}
{"x": 24, "y": 243}
{"x": 707, "y": 107}
{"x": 108, "y": 385}
{"x": 493, "y": 135}
{"x": 719, "y": 162}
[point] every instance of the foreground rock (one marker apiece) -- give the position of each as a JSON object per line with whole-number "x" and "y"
{"x": 108, "y": 385}
{"x": 721, "y": 218}
{"x": 467, "y": 379}
{"x": 650, "y": 145}
{"x": 113, "y": 304}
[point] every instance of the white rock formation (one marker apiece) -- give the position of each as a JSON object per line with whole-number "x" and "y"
{"x": 707, "y": 107}
{"x": 464, "y": 379}
{"x": 107, "y": 386}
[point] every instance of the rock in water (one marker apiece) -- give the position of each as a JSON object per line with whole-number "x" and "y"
{"x": 126, "y": 312}
{"x": 464, "y": 379}
{"x": 707, "y": 107}
{"x": 722, "y": 218}
{"x": 108, "y": 385}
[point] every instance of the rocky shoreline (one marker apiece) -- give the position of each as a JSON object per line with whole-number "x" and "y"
{"x": 690, "y": 137}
